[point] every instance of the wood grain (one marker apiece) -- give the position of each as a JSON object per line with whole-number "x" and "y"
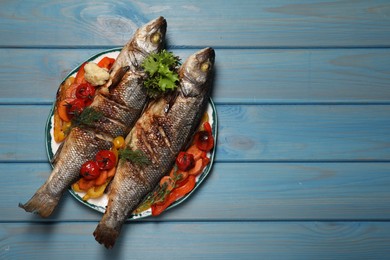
{"x": 237, "y": 192}
{"x": 242, "y": 76}
{"x": 271, "y": 133}
{"x": 248, "y": 24}
{"x": 303, "y": 152}
{"x": 177, "y": 240}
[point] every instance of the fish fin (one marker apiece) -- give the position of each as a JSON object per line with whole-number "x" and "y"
{"x": 171, "y": 101}
{"x": 106, "y": 235}
{"x": 41, "y": 203}
{"x": 117, "y": 77}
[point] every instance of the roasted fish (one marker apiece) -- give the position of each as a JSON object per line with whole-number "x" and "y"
{"x": 121, "y": 101}
{"x": 120, "y": 104}
{"x": 162, "y": 131}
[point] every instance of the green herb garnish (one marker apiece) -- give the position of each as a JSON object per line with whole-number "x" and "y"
{"x": 161, "y": 69}
{"x": 159, "y": 194}
{"x": 136, "y": 157}
{"x": 88, "y": 117}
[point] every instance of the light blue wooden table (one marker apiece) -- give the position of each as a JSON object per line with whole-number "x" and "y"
{"x": 302, "y": 91}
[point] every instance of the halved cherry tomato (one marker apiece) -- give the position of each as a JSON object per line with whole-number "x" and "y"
{"x": 90, "y": 170}
{"x": 185, "y": 161}
{"x": 106, "y": 63}
{"x": 86, "y": 92}
{"x": 204, "y": 140}
{"x": 105, "y": 159}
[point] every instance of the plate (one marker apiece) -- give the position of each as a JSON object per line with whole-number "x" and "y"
{"x": 100, "y": 203}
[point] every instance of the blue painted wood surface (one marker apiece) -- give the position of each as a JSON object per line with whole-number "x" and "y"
{"x": 302, "y": 167}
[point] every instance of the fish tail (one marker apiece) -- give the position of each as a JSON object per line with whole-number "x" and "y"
{"x": 41, "y": 203}
{"x": 106, "y": 235}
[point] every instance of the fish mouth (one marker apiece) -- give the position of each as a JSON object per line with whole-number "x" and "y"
{"x": 196, "y": 71}
{"x": 206, "y": 54}
{"x": 159, "y": 24}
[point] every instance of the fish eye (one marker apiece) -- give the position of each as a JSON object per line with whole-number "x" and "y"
{"x": 155, "y": 38}
{"x": 205, "y": 66}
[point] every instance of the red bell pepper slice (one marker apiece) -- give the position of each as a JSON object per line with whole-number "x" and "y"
{"x": 176, "y": 194}
{"x": 106, "y": 63}
{"x": 80, "y": 74}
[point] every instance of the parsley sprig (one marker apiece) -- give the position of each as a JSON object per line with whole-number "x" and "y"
{"x": 161, "y": 69}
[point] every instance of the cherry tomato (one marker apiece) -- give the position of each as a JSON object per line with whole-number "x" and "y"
{"x": 75, "y": 107}
{"x": 86, "y": 92}
{"x": 105, "y": 159}
{"x": 119, "y": 142}
{"x": 204, "y": 140}
{"x": 185, "y": 161}
{"x": 90, "y": 170}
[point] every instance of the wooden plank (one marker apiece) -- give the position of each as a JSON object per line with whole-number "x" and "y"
{"x": 22, "y": 133}
{"x": 220, "y": 240}
{"x": 237, "y": 192}
{"x": 256, "y": 76}
{"x": 246, "y": 133}
{"x": 249, "y": 23}
{"x": 303, "y": 133}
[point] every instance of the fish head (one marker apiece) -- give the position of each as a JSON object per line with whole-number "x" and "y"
{"x": 150, "y": 37}
{"x": 196, "y": 72}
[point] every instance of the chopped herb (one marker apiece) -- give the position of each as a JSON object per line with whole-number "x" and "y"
{"x": 161, "y": 69}
{"x": 159, "y": 194}
{"x": 136, "y": 157}
{"x": 87, "y": 118}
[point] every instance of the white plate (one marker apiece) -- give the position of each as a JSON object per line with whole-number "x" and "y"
{"x": 100, "y": 203}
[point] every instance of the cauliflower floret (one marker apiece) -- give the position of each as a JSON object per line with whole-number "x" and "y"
{"x": 95, "y": 75}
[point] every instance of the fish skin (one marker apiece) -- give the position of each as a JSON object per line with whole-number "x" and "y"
{"x": 139, "y": 47}
{"x": 129, "y": 94}
{"x": 162, "y": 131}
{"x": 74, "y": 151}
{"x": 83, "y": 144}
{"x": 113, "y": 110}
{"x": 122, "y": 94}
